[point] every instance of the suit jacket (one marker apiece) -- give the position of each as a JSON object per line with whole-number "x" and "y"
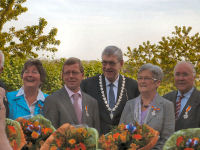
{"x": 163, "y": 120}
{"x": 91, "y": 86}
{"x": 59, "y": 109}
{"x": 193, "y": 120}
{"x": 18, "y": 106}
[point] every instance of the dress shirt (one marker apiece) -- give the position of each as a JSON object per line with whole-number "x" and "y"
{"x": 184, "y": 99}
{"x": 71, "y": 96}
{"x": 115, "y": 88}
{"x": 32, "y": 106}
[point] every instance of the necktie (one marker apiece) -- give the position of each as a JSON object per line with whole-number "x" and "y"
{"x": 111, "y": 96}
{"x": 178, "y": 106}
{"x": 76, "y": 107}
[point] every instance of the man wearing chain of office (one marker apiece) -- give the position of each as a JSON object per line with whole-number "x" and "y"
{"x": 111, "y": 89}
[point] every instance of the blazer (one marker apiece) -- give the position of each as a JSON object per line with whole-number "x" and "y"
{"x": 91, "y": 86}
{"x": 18, "y": 107}
{"x": 59, "y": 109}
{"x": 163, "y": 120}
{"x": 193, "y": 119}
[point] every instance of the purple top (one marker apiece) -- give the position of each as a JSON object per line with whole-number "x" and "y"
{"x": 143, "y": 116}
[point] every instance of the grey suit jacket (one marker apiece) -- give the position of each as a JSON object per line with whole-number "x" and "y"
{"x": 163, "y": 120}
{"x": 193, "y": 120}
{"x": 59, "y": 109}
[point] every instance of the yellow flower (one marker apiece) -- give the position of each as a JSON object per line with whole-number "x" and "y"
{"x": 34, "y": 135}
{"x": 53, "y": 148}
{"x": 72, "y": 141}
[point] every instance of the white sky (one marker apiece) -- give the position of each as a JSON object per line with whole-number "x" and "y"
{"x": 86, "y": 27}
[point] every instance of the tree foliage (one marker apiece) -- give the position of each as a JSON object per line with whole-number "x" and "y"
{"x": 166, "y": 53}
{"x": 23, "y": 43}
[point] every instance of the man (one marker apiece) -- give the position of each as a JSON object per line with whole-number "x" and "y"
{"x": 187, "y": 99}
{"x": 111, "y": 89}
{"x": 70, "y": 104}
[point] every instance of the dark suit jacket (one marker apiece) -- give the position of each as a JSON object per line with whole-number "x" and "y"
{"x": 193, "y": 120}
{"x": 91, "y": 86}
{"x": 163, "y": 121}
{"x": 59, "y": 109}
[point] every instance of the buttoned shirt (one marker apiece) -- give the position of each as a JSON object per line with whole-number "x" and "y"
{"x": 40, "y": 96}
{"x": 184, "y": 99}
{"x": 71, "y": 93}
{"x": 115, "y": 87}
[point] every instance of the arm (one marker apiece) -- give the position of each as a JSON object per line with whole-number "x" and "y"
{"x": 5, "y": 145}
{"x": 126, "y": 114}
{"x": 168, "y": 125}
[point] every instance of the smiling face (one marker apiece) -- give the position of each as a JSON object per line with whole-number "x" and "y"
{"x": 184, "y": 77}
{"x": 111, "y": 67}
{"x": 31, "y": 77}
{"x": 72, "y": 76}
{"x": 146, "y": 82}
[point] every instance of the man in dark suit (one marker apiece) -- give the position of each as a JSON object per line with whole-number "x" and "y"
{"x": 110, "y": 89}
{"x": 70, "y": 104}
{"x": 187, "y": 99}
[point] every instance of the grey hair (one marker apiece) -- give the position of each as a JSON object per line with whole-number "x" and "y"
{"x": 113, "y": 50}
{"x": 188, "y": 63}
{"x": 154, "y": 69}
{"x": 2, "y": 58}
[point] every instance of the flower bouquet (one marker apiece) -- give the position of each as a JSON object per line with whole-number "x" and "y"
{"x": 15, "y": 134}
{"x": 130, "y": 137}
{"x": 36, "y": 130}
{"x": 186, "y": 139}
{"x": 69, "y": 137}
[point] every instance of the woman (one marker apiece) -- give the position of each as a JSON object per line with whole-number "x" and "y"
{"x": 4, "y": 143}
{"x": 29, "y": 99}
{"x": 150, "y": 108}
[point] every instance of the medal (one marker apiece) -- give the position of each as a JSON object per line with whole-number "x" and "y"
{"x": 153, "y": 113}
{"x": 111, "y": 115}
{"x": 185, "y": 116}
{"x": 86, "y": 110}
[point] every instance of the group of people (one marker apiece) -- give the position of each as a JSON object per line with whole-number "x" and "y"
{"x": 108, "y": 99}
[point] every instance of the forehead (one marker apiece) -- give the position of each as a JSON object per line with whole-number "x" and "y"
{"x": 33, "y": 67}
{"x": 145, "y": 73}
{"x": 184, "y": 67}
{"x": 109, "y": 58}
{"x": 71, "y": 67}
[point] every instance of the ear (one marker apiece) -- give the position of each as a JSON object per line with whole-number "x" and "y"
{"x": 158, "y": 82}
{"x": 1, "y": 69}
{"x": 121, "y": 62}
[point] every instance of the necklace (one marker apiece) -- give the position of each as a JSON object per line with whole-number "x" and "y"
{"x": 143, "y": 105}
{"x": 105, "y": 99}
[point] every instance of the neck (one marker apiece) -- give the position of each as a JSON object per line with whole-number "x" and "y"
{"x": 147, "y": 98}
{"x": 31, "y": 94}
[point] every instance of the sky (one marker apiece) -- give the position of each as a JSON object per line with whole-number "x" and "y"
{"x": 86, "y": 27}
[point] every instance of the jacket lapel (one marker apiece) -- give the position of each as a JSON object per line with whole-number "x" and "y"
{"x": 68, "y": 104}
{"x": 21, "y": 103}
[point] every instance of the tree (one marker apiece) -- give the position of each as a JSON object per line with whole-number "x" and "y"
{"x": 26, "y": 42}
{"x": 166, "y": 53}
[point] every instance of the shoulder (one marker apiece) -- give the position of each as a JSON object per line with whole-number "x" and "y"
{"x": 132, "y": 102}
{"x": 54, "y": 95}
{"x": 130, "y": 81}
{"x": 90, "y": 79}
{"x": 11, "y": 95}
{"x": 45, "y": 95}
{"x": 166, "y": 103}
{"x": 170, "y": 94}
{"x": 88, "y": 97}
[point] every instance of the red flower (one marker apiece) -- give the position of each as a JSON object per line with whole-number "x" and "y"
{"x": 82, "y": 146}
{"x": 188, "y": 148}
{"x": 116, "y": 135}
{"x": 137, "y": 136}
{"x": 179, "y": 140}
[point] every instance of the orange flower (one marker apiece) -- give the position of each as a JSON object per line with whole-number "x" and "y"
{"x": 137, "y": 136}
{"x": 133, "y": 146}
{"x": 116, "y": 135}
{"x": 82, "y": 146}
{"x": 12, "y": 129}
{"x": 53, "y": 148}
{"x": 188, "y": 148}
{"x": 123, "y": 138}
{"x": 59, "y": 142}
{"x": 179, "y": 140}
{"x": 72, "y": 141}
{"x": 34, "y": 135}
{"x": 46, "y": 130}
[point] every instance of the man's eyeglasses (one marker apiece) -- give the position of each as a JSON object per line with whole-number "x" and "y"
{"x": 111, "y": 63}
{"x": 146, "y": 79}
{"x": 74, "y": 73}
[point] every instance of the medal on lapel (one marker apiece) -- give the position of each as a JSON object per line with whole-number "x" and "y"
{"x": 86, "y": 110}
{"x": 185, "y": 116}
{"x": 154, "y": 109}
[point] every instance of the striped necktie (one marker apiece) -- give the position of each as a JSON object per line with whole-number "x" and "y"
{"x": 76, "y": 107}
{"x": 178, "y": 106}
{"x": 111, "y": 96}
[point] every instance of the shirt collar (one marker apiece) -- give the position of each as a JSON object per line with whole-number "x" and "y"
{"x": 39, "y": 97}
{"x": 115, "y": 82}
{"x": 186, "y": 94}
{"x": 70, "y": 92}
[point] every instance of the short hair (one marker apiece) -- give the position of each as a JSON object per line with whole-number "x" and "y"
{"x": 2, "y": 58}
{"x": 188, "y": 63}
{"x": 113, "y": 50}
{"x": 38, "y": 64}
{"x": 154, "y": 69}
{"x": 72, "y": 61}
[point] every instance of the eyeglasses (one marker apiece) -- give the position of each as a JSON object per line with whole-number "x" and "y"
{"x": 74, "y": 73}
{"x": 111, "y": 63}
{"x": 33, "y": 72}
{"x": 181, "y": 74}
{"x": 146, "y": 78}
